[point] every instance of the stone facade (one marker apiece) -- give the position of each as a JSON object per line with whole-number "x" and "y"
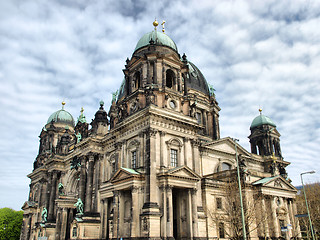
{"x": 155, "y": 166}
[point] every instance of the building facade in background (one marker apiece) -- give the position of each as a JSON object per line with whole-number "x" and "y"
{"x": 155, "y": 166}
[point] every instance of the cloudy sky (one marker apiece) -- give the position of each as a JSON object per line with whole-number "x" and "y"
{"x": 255, "y": 54}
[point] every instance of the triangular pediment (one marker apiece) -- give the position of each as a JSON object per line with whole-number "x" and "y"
{"x": 275, "y": 182}
{"x": 227, "y": 145}
{"x": 29, "y": 204}
{"x": 124, "y": 174}
{"x": 183, "y": 172}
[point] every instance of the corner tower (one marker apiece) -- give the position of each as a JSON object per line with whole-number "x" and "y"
{"x": 264, "y": 137}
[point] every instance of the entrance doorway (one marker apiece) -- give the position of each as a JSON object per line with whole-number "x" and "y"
{"x": 180, "y": 213}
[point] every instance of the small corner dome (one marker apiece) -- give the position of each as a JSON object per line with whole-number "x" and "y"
{"x": 62, "y": 116}
{"x": 159, "y": 38}
{"x": 262, "y": 120}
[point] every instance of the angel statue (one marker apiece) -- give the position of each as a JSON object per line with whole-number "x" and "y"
{"x": 44, "y": 215}
{"x": 79, "y": 205}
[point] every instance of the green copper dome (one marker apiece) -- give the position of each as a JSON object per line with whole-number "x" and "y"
{"x": 262, "y": 120}
{"x": 61, "y": 116}
{"x": 159, "y": 38}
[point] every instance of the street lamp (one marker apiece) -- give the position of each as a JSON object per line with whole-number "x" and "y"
{"x": 240, "y": 191}
{"x": 305, "y": 197}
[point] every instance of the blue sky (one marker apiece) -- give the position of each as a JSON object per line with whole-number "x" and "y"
{"x": 255, "y": 54}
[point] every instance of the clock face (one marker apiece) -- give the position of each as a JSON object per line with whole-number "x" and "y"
{"x": 172, "y": 104}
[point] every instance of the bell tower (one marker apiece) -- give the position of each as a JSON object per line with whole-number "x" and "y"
{"x": 264, "y": 137}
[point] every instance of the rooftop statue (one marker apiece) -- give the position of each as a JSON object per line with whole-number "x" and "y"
{"x": 78, "y": 137}
{"x": 79, "y": 206}
{"x": 44, "y": 215}
{"x": 114, "y": 96}
{"x": 60, "y": 189}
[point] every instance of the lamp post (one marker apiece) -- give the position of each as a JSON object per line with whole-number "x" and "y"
{"x": 240, "y": 191}
{"x": 305, "y": 198}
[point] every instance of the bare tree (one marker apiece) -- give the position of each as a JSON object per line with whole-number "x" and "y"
{"x": 313, "y": 196}
{"x": 229, "y": 213}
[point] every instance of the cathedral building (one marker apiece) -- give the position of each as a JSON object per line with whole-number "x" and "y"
{"x": 155, "y": 166}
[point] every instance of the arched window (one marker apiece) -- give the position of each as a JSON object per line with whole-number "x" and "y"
{"x": 225, "y": 166}
{"x": 133, "y": 154}
{"x": 170, "y": 78}
{"x": 174, "y": 149}
{"x": 136, "y": 80}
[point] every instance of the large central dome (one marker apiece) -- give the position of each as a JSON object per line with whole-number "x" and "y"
{"x": 159, "y": 38}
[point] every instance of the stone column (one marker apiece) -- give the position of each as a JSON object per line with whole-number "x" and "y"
{"x": 89, "y": 184}
{"x": 135, "y": 212}
{"x": 162, "y": 147}
{"x": 58, "y": 224}
{"x": 265, "y": 227}
{"x": 169, "y": 212}
{"x": 148, "y": 73}
{"x": 82, "y": 187}
{"x": 155, "y": 79}
{"x": 150, "y": 167}
{"x": 194, "y": 205}
{"x": 103, "y": 210}
{"x": 196, "y": 157}
{"x": 274, "y": 217}
{"x": 64, "y": 223}
{"x": 190, "y": 214}
{"x": 141, "y": 153}
{"x": 52, "y": 195}
{"x": 43, "y": 187}
{"x": 163, "y": 230}
{"x": 48, "y": 188}
{"x": 185, "y": 153}
{"x": 29, "y": 226}
{"x": 96, "y": 183}
{"x": 288, "y": 221}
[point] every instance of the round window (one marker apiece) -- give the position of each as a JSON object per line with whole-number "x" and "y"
{"x": 172, "y": 104}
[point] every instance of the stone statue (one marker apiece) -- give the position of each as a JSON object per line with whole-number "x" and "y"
{"x": 78, "y": 137}
{"x": 60, "y": 189}
{"x": 44, "y": 215}
{"x": 114, "y": 96}
{"x": 272, "y": 168}
{"x": 211, "y": 90}
{"x": 282, "y": 171}
{"x": 75, "y": 163}
{"x": 79, "y": 206}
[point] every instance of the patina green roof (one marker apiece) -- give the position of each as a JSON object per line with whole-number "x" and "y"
{"x": 158, "y": 38}
{"x": 61, "y": 116}
{"x": 130, "y": 170}
{"x": 263, "y": 180}
{"x": 262, "y": 120}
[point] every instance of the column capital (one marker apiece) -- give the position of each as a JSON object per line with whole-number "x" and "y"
{"x": 135, "y": 189}
{"x": 169, "y": 187}
{"x": 162, "y": 133}
{"x": 186, "y": 139}
{"x": 193, "y": 191}
{"x": 195, "y": 142}
{"x": 151, "y": 132}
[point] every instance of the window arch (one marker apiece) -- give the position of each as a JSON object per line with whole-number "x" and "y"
{"x": 133, "y": 154}
{"x": 174, "y": 149}
{"x": 72, "y": 184}
{"x": 170, "y": 76}
{"x": 225, "y": 166}
{"x": 136, "y": 80}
